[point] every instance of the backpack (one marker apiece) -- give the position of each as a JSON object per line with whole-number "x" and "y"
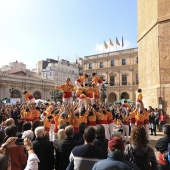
{"x": 140, "y": 161}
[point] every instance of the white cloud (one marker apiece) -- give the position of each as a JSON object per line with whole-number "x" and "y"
{"x": 99, "y": 48}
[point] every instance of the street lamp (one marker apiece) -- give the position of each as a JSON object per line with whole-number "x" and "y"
{"x": 104, "y": 91}
{"x": 12, "y": 91}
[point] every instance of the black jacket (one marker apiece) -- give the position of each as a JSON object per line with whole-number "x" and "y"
{"x": 63, "y": 149}
{"x": 162, "y": 144}
{"x": 45, "y": 153}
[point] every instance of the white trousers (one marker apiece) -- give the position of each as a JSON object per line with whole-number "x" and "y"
{"x": 51, "y": 133}
{"x": 82, "y": 102}
{"x": 131, "y": 125}
{"x": 99, "y": 85}
{"x": 111, "y": 128}
{"x": 77, "y": 84}
{"x": 125, "y": 131}
{"x": 146, "y": 126}
{"x": 67, "y": 101}
{"x": 107, "y": 134}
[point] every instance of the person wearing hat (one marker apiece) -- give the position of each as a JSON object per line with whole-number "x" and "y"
{"x": 115, "y": 159}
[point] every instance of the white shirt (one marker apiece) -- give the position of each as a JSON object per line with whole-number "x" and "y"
{"x": 32, "y": 162}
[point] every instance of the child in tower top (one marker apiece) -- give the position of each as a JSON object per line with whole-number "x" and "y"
{"x": 29, "y": 98}
{"x": 139, "y": 103}
{"x": 97, "y": 81}
{"x": 80, "y": 80}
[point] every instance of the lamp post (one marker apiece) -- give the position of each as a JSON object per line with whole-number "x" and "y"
{"x": 12, "y": 92}
{"x": 104, "y": 91}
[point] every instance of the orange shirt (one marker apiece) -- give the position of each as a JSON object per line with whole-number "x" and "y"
{"x": 56, "y": 120}
{"x": 132, "y": 116}
{"x": 139, "y": 118}
{"x": 96, "y": 80}
{"x": 47, "y": 123}
{"x": 49, "y": 110}
{"x": 109, "y": 117}
{"x": 61, "y": 120}
{"x": 36, "y": 114}
{"x": 146, "y": 117}
{"x": 126, "y": 105}
{"x": 28, "y": 96}
{"x": 79, "y": 91}
{"x": 81, "y": 79}
{"x": 83, "y": 118}
{"x": 29, "y": 115}
{"x": 126, "y": 120}
{"x": 139, "y": 97}
{"x": 75, "y": 122}
{"x": 66, "y": 88}
{"x": 22, "y": 114}
{"x": 89, "y": 92}
{"x": 96, "y": 93}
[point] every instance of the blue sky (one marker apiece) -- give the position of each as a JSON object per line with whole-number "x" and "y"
{"x": 32, "y": 30}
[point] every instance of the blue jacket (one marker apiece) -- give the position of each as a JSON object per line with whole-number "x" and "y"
{"x": 114, "y": 161}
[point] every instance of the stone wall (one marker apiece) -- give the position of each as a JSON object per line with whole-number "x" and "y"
{"x": 154, "y": 51}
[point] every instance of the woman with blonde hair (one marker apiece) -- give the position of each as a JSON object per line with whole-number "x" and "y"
{"x": 138, "y": 152}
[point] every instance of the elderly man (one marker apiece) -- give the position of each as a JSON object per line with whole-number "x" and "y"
{"x": 115, "y": 159}
{"x": 64, "y": 147}
{"x": 43, "y": 150}
{"x": 85, "y": 156}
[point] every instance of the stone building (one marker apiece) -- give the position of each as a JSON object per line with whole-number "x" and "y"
{"x": 118, "y": 69}
{"x": 58, "y": 70}
{"x": 12, "y": 85}
{"x": 154, "y": 52}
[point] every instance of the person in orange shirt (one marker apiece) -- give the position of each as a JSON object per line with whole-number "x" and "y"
{"x": 126, "y": 107}
{"x": 146, "y": 123}
{"x": 97, "y": 81}
{"x": 29, "y": 115}
{"x": 67, "y": 90}
{"x": 139, "y": 118}
{"x": 82, "y": 101}
{"x": 96, "y": 94}
{"x": 47, "y": 123}
{"x": 102, "y": 120}
{"x": 29, "y": 98}
{"x": 125, "y": 126}
{"x": 110, "y": 121}
{"x": 75, "y": 121}
{"x": 37, "y": 113}
{"x": 132, "y": 117}
{"x": 91, "y": 119}
{"x": 139, "y": 103}
{"x": 83, "y": 116}
{"x": 89, "y": 92}
{"x": 80, "y": 80}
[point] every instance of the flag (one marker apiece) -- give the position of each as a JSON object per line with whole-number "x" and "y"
{"x": 111, "y": 43}
{"x": 106, "y": 46}
{"x": 117, "y": 42}
{"x": 122, "y": 42}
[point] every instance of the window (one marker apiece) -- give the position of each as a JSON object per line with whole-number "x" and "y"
{"x": 123, "y": 61}
{"x": 51, "y": 73}
{"x": 90, "y": 66}
{"x": 112, "y": 63}
{"x": 136, "y": 60}
{"x": 112, "y": 80}
{"x": 124, "y": 79}
{"x": 101, "y": 64}
{"x": 44, "y": 74}
{"x": 137, "y": 79}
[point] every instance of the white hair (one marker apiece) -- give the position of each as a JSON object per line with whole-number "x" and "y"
{"x": 28, "y": 134}
{"x": 39, "y": 132}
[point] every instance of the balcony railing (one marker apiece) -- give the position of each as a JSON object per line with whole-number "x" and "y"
{"x": 122, "y": 84}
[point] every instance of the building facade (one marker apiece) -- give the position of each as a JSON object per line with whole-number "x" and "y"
{"x": 12, "y": 85}
{"x": 154, "y": 52}
{"x": 59, "y": 70}
{"x": 118, "y": 69}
